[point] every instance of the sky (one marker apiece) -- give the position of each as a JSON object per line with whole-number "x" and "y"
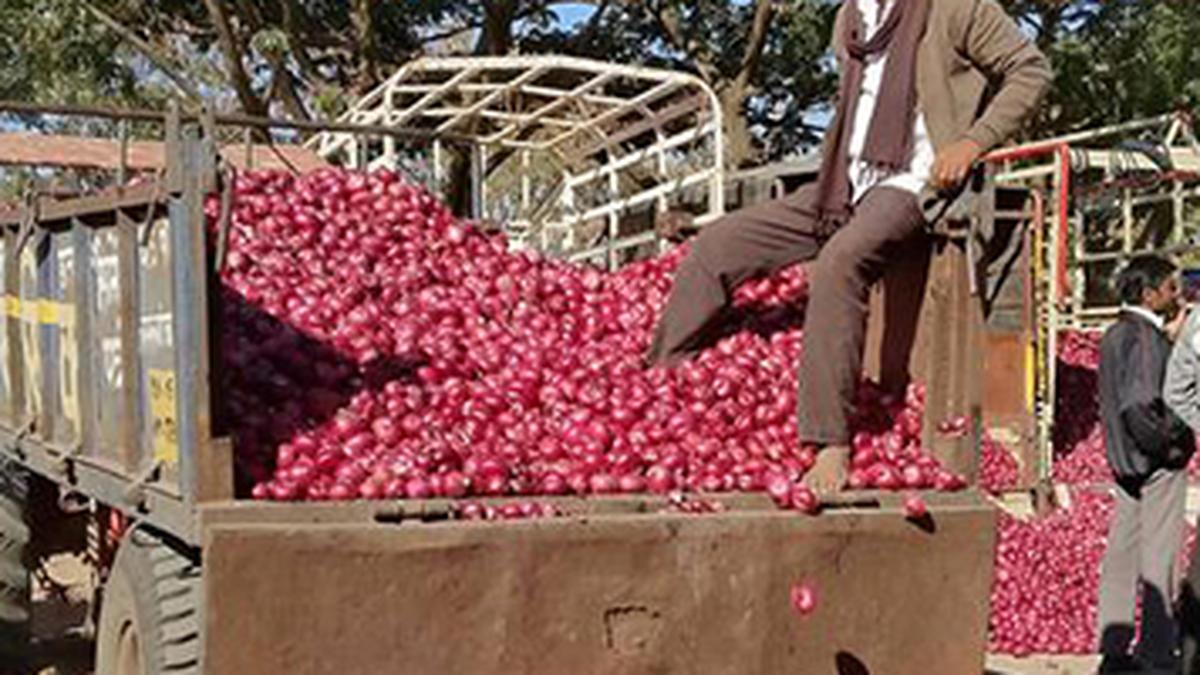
{"x": 571, "y": 14}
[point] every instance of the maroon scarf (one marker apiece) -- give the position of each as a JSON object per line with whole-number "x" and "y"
{"x": 890, "y": 138}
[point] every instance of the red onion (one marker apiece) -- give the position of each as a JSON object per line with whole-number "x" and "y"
{"x": 803, "y": 598}
{"x": 914, "y": 507}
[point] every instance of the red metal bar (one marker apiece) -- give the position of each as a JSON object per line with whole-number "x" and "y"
{"x": 1024, "y": 152}
{"x": 1063, "y": 150}
{"x": 1064, "y": 220}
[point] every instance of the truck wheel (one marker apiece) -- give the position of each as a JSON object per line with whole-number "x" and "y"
{"x": 150, "y": 611}
{"x": 14, "y": 565}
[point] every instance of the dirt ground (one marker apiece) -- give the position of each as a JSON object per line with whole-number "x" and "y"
{"x": 60, "y": 618}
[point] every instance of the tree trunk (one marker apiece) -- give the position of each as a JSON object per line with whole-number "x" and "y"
{"x": 494, "y": 40}
{"x": 232, "y": 51}
{"x": 740, "y": 150}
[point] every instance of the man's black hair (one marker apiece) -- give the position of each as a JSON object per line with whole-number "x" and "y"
{"x": 1142, "y": 273}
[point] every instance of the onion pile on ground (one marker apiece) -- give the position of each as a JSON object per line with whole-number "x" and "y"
{"x": 1047, "y": 578}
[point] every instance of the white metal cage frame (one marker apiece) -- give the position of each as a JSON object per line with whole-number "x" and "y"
{"x": 570, "y": 156}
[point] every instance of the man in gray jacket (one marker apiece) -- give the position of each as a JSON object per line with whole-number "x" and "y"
{"x": 1148, "y": 449}
{"x": 1182, "y": 394}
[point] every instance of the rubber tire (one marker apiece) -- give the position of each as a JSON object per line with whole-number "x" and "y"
{"x": 14, "y": 564}
{"x": 150, "y": 612}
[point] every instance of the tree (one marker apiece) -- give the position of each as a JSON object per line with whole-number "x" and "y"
{"x": 764, "y": 59}
{"x": 1114, "y": 60}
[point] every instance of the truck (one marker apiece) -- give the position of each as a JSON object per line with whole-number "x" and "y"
{"x": 115, "y": 443}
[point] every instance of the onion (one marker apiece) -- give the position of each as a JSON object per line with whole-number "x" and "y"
{"x": 914, "y": 507}
{"x": 803, "y": 598}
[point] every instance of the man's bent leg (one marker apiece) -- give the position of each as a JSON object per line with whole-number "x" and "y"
{"x": 840, "y": 281}
{"x": 743, "y": 244}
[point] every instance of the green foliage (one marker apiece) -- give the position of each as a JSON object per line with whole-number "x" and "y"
{"x": 1114, "y": 60}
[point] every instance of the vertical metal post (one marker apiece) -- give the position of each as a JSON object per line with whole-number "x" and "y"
{"x": 614, "y": 220}
{"x": 364, "y": 153}
{"x": 1081, "y": 267}
{"x": 661, "y": 159}
{"x": 89, "y": 352}
{"x": 1126, "y": 223}
{"x": 49, "y": 343}
{"x": 485, "y": 161}
{"x": 437, "y": 167}
{"x": 190, "y": 315}
{"x": 1177, "y": 212}
{"x": 1062, "y": 169}
{"x": 389, "y": 151}
{"x": 248, "y": 140}
{"x": 12, "y": 291}
{"x": 525, "y": 186}
{"x": 478, "y": 165}
{"x": 123, "y": 165}
{"x": 131, "y": 416}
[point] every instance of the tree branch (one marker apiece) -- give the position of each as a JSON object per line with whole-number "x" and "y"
{"x": 232, "y": 51}
{"x": 293, "y": 27}
{"x": 669, "y": 22}
{"x": 283, "y": 87}
{"x": 364, "y": 34}
{"x": 752, "y": 56}
{"x": 589, "y": 31}
{"x": 160, "y": 61}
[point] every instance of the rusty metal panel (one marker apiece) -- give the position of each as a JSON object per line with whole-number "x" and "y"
{"x": 621, "y": 594}
{"x": 895, "y": 342}
{"x": 954, "y": 362}
{"x": 925, "y": 326}
{"x": 5, "y": 375}
{"x": 25, "y": 309}
{"x": 1009, "y": 360}
{"x": 59, "y": 323}
{"x": 156, "y": 348}
{"x": 106, "y": 327}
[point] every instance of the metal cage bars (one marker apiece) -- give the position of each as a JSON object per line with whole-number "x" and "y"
{"x": 566, "y": 117}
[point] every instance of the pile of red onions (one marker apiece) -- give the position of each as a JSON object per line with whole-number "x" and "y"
{"x": 1078, "y": 435}
{"x": 378, "y": 347}
{"x": 1047, "y": 576}
{"x": 998, "y": 469}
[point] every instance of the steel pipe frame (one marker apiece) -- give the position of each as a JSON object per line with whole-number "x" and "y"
{"x": 522, "y": 74}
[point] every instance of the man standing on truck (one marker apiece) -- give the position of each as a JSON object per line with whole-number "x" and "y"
{"x": 1148, "y": 449}
{"x": 927, "y": 87}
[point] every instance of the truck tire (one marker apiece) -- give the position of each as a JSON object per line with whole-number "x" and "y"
{"x": 14, "y": 565}
{"x": 150, "y": 610}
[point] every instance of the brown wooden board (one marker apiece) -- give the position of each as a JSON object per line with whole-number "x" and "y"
{"x": 658, "y": 594}
{"x": 924, "y": 326}
{"x": 970, "y": 349}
